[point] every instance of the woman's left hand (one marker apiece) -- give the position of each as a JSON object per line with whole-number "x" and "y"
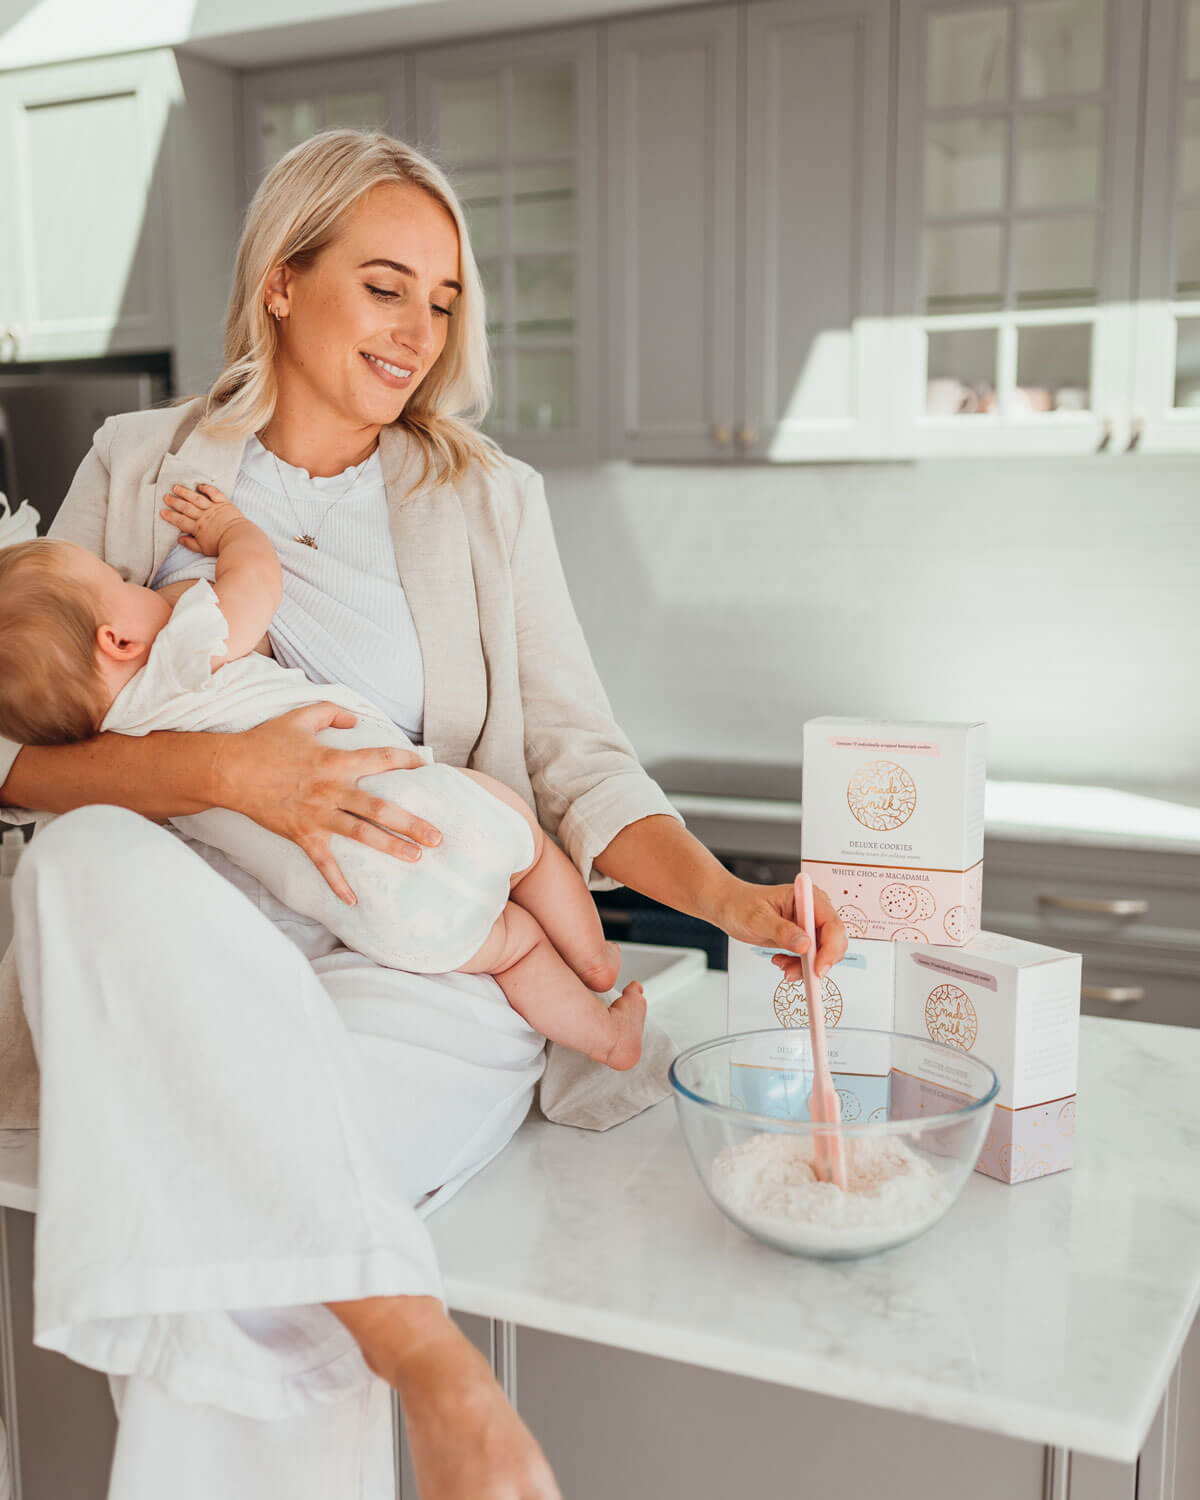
{"x": 766, "y": 915}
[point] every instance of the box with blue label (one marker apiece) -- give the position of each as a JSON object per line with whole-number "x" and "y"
{"x": 859, "y": 992}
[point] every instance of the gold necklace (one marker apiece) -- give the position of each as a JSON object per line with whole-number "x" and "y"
{"x": 309, "y": 538}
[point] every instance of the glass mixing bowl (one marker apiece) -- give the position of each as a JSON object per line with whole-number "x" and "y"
{"x": 914, "y": 1117}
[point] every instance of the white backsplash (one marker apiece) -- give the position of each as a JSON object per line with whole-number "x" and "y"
{"x": 1058, "y": 601}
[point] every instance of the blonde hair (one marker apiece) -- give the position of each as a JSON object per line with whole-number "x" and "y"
{"x": 51, "y": 688}
{"x": 293, "y": 216}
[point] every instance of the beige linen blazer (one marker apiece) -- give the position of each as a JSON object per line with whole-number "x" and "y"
{"x": 510, "y": 687}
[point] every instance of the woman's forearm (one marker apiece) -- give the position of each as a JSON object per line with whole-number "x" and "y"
{"x": 160, "y": 775}
{"x": 660, "y": 858}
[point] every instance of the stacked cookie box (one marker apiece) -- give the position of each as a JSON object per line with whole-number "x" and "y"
{"x": 893, "y": 834}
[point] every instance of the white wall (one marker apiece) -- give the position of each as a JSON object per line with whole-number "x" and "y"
{"x": 1059, "y": 601}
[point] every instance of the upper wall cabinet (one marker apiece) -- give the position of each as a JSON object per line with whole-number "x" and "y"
{"x": 1167, "y": 387}
{"x": 121, "y": 210}
{"x": 814, "y": 247}
{"x": 514, "y": 124}
{"x": 283, "y": 106}
{"x": 84, "y": 246}
{"x": 747, "y": 192}
{"x": 672, "y": 203}
{"x": 1016, "y": 171}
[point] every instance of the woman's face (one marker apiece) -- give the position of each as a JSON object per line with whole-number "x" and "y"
{"x": 367, "y": 321}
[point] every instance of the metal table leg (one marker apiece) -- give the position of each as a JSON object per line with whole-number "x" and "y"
{"x": 8, "y": 1372}
{"x": 504, "y": 1356}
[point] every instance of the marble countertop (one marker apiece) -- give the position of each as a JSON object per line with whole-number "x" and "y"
{"x": 1040, "y": 812}
{"x": 1052, "y": 1311}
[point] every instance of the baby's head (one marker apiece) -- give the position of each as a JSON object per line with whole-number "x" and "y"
{"x": 72, "y": 632}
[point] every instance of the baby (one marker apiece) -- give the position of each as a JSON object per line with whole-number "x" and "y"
{"x": 495, "y": 896}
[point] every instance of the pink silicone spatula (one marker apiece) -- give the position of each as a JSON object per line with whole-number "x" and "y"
{"x": 826, "y": 1107}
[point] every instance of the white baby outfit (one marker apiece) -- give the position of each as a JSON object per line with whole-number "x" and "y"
{"x": 428, "y": 916}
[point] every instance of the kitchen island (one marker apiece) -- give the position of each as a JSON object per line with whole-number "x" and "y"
{"x": 1045, "y": 1322}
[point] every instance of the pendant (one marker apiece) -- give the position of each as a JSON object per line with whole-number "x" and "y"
{"x": 306, "y": 540}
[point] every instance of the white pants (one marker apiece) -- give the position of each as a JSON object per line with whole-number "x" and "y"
{"x": 233, "y": 1133}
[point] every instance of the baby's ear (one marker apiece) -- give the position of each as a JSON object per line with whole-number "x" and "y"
{"x": 116, "y": 647}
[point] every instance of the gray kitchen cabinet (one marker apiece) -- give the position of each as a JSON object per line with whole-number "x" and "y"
{"x": 86, "y": 251}
{"x": 747, "y": 209}
{"x": 283, "y": 106}
{"x": 672, "y": 206}
{"x": 815, "y": 233}
{"x": 121, "y": 209}
{"x": 1167, "y": 379}
{"x": 515, "y": 124}
{"x": 1134, "y": 914}
{"x": 1016, "y": 175}
{"x": 709, "y": 1435}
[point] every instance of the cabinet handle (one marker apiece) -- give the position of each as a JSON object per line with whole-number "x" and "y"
{"x": 747, "y": 436}
{"x": 1116, "y": 906}
{"x": 1113, "y": 994}
{"x": 722, "y": 436}
{"x": 1106, "y": 435}
{"x": 1135, "y": 436}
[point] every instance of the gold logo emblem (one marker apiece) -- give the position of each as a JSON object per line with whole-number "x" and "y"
{"x": 791, "y": 1003}
{"x": 950, "y": 1017}
{"x": 882, "y": 795}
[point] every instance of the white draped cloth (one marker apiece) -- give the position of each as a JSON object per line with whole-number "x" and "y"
{"x": 240, "y": 1121}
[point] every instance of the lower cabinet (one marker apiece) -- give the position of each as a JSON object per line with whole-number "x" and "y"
{"x": 1133, "y": 914}
{"x": 630, "y": 1425}
{"x": 65, "y": 1422}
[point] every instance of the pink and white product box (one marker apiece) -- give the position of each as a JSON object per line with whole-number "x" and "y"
{"x": 1016, "y": 1005}
{"x": 892, "y": 826}
{"x": 858, "y": 992}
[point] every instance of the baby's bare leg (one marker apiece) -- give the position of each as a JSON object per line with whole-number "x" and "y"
{"x": 553, "y": 891}
{"x": 540, "y": 987}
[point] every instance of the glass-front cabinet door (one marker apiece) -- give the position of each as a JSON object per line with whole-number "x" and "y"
{"x": 1015, "y": 226}
{"x": 1166, "y": 401}
{"x": 283, "y": 106}
{"x": 514, "y": 124}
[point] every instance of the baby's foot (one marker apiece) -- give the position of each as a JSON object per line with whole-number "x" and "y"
{"x": 600, "y": 973}
{"x": 628, "y": 1016}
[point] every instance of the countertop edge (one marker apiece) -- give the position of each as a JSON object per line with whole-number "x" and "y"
{"x": 911, "y": 1397}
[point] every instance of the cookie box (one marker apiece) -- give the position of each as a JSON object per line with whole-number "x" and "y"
{"x": 1016, "y": 1005}
{"x": 892, "y": 826}
{"x": 858, "y": 992}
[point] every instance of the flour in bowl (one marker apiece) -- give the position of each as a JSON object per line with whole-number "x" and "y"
{"x": 768, "y": 1183}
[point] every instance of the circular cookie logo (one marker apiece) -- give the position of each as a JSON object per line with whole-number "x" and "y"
{"x": 791, "y": 1003}
{"x": 879, "y": 1114}
{"x": 898, "y": 901}
{"x": 1066, "y": 1118}
{"x": 854, "y": 920}
{"x": 950, "y": 1017}
{"x": 956, "y": 924}
{"x": 926, "y": 905}
{"x": 881, "y": 795}
{"x": 851, "y": 1108}
{"x": 908, "y": 935}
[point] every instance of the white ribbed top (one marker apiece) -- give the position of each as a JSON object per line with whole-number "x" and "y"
{"x": 344, "y": 616}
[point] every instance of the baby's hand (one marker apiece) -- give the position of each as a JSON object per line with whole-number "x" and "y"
{"x": 203, "y": 515}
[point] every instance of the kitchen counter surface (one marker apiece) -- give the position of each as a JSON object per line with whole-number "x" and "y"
{"x": 1052, "y": 1311}
{"x": 1039, "y": 812}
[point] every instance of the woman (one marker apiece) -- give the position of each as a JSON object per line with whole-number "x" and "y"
{"x": 237, "y": 1135}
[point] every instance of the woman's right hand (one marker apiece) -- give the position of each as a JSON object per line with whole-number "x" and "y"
{"x": 280, "y": 775}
